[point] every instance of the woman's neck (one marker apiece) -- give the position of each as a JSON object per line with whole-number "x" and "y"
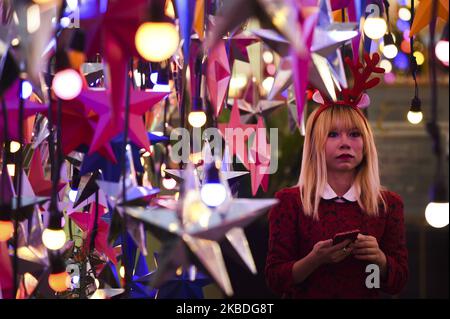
{"x": 340, "y": 182}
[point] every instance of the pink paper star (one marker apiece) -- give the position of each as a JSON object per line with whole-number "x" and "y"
{"x": 41, "y": 186}
{"x": 108, "y": 126}
{"x": 112, "y": 35}
{"x": 260, "y": 152}
{"x": 235, "y": 127}
{"x": 85, "y": 220}
{"x": 219, "y": 75}
{"x": 78, "y": 124}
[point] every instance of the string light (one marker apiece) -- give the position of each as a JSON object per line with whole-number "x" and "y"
{"x": 375, "y": 27}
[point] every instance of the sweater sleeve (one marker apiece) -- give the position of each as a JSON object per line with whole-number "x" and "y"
{"x": 283, "y": 244}
{"x": 393, "y": 244}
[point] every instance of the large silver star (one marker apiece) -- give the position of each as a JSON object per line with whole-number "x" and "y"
{"x": 198, "y": 241}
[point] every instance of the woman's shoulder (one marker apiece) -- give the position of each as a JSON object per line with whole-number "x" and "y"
{"x": 391, "y": 197}
{"x": 288, "y": 192}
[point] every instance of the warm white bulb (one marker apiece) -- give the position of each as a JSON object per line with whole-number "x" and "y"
{"x": 197, "y": 118}
{"x": 436, "y": 214}
{"x": 67, "y": 84}
{"x": 157, "y": 41}
{"x": 53, "y": 239}
{"x": 122, "y": 272}
{"x": 441, "y": 51}
{"x": 169, "y": 183}
{"x": 73, "y": 195}
{"x": 375, "y": 28}
{"x": 404, "y": 14}
{"x": 415, "y": 117}
{"x": 268, "y": 83}
{"x": 14, "y": 146}
{"x": 386, "y": 65}
{"x": 390, "y": 51}
{"x": 213, "y": 194}
{"x": 11, "y": 169}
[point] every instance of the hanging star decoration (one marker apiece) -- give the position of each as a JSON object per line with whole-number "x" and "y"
{"x": 33, "y": 38}
{"x": 86, "y": 221}
{"x": 276, "y": 14}
{"x": 186, "y": 284}
{"x": 140, "y": 102}
{"x": 198, "y": 232}
{"x": 78, "y": 126}
{"x": 110, "y": 28}
{"x": 259, "y": 163}
{"x": 40, "y": 185}
{"x": 235, "y": 128}
{"x": 423, "y": 14}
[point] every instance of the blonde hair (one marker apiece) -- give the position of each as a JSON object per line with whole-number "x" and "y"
{"x": 313, "y": 174}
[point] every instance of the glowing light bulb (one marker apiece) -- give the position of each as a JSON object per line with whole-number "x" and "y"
{"x": 375, "y": 28}
{"x": 27, "y": 90}
{"x": 268, "y": 83}
{"x": 6, "y": 230}
{"x": 267, "y": 57}
{"x": 404, "y": 14}
{"x": 197, "y": 118}
{"x": 67, "y": 84}
{"x": 59, "y": 282}
{"x": 437, "y": 214}
{"x": 14, "y": 146}
{"x": 169, "y": 183}
{"x": 53, "y": 239}
{"x": 441, "y": 51}
{"x": 157, "y": 41}
{"x": 73, "y": 195}
{"x": 122, "y": 272}
{"x": 213, "y": 194}
{"x": 11, "y": 169}
{"x": 420, "y": 58}
{"x": 386, "y": 65}
{"x": 414, "y": 117}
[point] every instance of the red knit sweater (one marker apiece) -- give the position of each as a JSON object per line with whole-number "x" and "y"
{"x": 293, "y": 235}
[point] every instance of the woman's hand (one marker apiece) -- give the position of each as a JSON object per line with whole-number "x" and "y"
{"x": 325, "y": 253}
{"x": 366, "y": 248}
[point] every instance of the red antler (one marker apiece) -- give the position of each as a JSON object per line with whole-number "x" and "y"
{"x": 361, "y": 80}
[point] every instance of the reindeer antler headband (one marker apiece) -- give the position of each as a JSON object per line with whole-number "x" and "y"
{"x": 354, "y": 97}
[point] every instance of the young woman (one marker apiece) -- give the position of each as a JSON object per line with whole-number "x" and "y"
{"x": 338, "y": 191}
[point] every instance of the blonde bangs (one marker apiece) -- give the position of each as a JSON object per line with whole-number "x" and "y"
{"x": 313, "y": 175}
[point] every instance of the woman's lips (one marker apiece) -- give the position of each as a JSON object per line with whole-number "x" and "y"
{"x": 345, "y": 157}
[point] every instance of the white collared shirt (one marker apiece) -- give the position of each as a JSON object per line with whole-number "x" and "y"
{"x": 329, "y": 193}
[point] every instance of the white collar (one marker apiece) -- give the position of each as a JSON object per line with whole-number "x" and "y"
{"x": 329, "y": 193}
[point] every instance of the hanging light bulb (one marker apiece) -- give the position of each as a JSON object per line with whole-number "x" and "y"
{"x": 169, "y": 183}
{"x": 441, "y": 51}
{"x": 27, "y": 90}
{"x": 59, "y": 280}
{"x": 437, "y": 211}
{"x": 375, "y": 27}
{"x": 14, "y": 146}
{"x": 441, "y": 48}
{"x": 390, "y": 50}
{"x": 67, "y": 82}
{"x": 213, "y": 192}
{"x": 415, "y": 115}
{"x": 158, "y": 39}
{"x": 197, "y": 117}
{"x": 54, "y": 237}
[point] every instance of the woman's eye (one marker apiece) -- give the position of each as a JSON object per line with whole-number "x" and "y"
{"x": 332, "y": 134}
{"x": 355, "y": 134}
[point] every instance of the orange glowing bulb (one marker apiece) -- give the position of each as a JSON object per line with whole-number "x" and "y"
{"x": 6, "y": 230}
{"x": 59, "y": 282}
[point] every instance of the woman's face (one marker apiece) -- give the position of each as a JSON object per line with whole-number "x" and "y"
{"x": 343, "y": 149}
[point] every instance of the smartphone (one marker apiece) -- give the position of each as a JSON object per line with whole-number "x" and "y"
{"x": 340, "y": 237}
